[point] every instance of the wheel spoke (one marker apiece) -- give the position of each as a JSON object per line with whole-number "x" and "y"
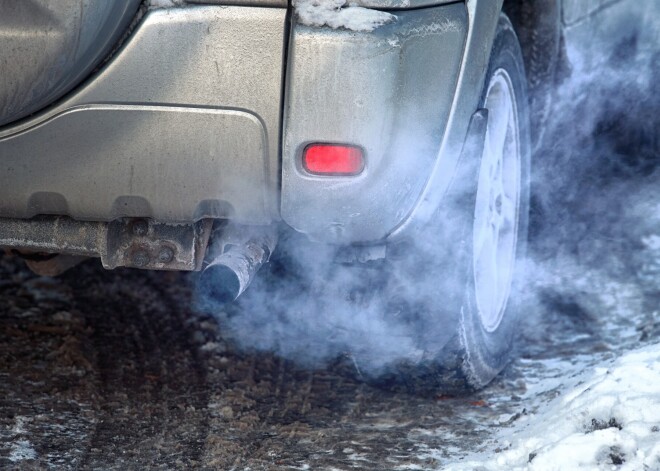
{"x": 508, "y": 213}
{"x": 496, "y": 208}
{"x": 487, "y": 247}
{"x": 487, "y": 275}
{"x": 483, "y": 237}
{"x": 489, "y": 155}
{"x": 498, "y": 129}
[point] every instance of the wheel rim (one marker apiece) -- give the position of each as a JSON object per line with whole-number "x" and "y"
{"x": 497, "y": 203}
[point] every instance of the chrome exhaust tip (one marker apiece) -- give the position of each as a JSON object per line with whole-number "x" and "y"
{"x": 235, "y": 255}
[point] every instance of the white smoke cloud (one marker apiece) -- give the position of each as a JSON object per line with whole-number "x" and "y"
{"x": 594, "y": 234}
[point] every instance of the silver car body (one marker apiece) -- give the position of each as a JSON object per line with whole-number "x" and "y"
{"x": 185, "y": 121}
{"x": 203, "y": 109}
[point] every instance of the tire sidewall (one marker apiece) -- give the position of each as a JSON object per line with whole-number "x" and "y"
{"x": 487, "y": 352}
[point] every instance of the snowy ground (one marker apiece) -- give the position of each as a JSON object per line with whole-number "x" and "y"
{"x": 606, "y": 415}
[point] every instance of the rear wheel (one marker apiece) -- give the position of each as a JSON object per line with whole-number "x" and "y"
{"x": 486, "y": 238}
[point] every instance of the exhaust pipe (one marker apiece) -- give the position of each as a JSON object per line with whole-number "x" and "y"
{"x": 235, "y": 255}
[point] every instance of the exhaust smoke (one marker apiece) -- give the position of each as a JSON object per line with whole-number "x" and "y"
{"x": 594, "y": 250}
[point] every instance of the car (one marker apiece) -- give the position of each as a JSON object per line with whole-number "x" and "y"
{"x": 184, "y": 135}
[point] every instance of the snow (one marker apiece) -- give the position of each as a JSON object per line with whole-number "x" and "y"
{"x": 164, "y": 3}
{"x": 603, "y": 417}
{"x": 337, "y": 14}
{"x": 22, "y": 450}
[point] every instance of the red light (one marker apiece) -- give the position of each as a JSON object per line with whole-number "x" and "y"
{"x": 329, "y": 159}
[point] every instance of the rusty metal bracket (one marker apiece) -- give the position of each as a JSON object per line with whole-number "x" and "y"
{"x": 142, "y": 243}
{"x": 127, "y": 242}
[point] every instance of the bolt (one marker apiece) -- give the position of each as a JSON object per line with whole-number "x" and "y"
{"x": 166, "y": 255}
{"x": 140, "y": 227}
{"x": 140, "y": 258}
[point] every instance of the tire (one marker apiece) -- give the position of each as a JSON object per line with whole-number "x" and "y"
{"x": 538, "y": 26}
{"x": 476, "y": 305}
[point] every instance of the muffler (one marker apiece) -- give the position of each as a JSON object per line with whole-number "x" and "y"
{"x": 235, "y": 255}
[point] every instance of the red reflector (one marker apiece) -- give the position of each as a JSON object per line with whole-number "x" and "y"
{"x": 328, "y": 159}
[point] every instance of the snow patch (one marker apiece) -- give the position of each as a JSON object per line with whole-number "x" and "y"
{"x": 608, "y": 416}
{"x": 165, "y": 3}
{"x": 22, "y": 450}
{"x": 337, "y": 14}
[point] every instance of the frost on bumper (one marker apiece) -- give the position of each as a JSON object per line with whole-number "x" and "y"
{"x": 164, "y": 3}
{"x": 337, "y": 14}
